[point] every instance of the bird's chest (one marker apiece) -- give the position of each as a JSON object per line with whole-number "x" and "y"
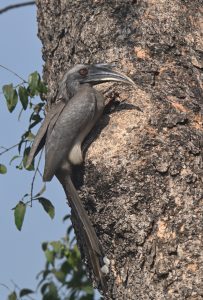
{"x": 96, "y": 106}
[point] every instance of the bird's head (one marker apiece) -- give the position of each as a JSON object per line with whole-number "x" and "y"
{"x": 96, "y": 74}
{"x": 93, "y": 74}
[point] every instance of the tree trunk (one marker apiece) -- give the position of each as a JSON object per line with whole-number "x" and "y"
{"x": 142, "y": 186}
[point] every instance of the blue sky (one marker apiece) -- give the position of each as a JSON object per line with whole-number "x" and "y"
{"x": 21, "y": 257}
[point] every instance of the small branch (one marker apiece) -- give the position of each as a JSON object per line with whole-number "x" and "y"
{"x": 39, "y": 173}
{"x": 17, "y": 5}
{"x": 2, "y": 284}
{"x": 8, "y": 149}
{"x": 24, "y": 81}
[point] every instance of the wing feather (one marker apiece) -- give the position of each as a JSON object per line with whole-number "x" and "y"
{"x": 76, "y": 119}
{"x": 39, "y": 140}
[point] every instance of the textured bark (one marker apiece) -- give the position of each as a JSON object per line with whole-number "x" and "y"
{"x": 143, "y": 186}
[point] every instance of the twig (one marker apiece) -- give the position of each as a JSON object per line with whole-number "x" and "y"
{"x": 5, "y": 286}
{"x": 19, "y": 116}
{"x": 24, "y": 81}
{"x": 8, "y": 149}
{"x": 17, "y": 5}
{"x": 40, "y": 173}
{"x": 33, "y": 179}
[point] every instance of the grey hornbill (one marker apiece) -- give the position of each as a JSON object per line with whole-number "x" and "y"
{"x": 70, "y": 119}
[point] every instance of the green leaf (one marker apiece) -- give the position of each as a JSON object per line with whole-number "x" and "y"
{"x": 11, "y": 96}
{"x": 42, "y": 88}
{"x": 28, "y": 136}
{"x": 20, "y": 144}
{"x": 36, "y": 118}
{"x": 52, "y": 293}
{"x": 49, "y": 256}
{"x": 38, "y": 107}
{"x": 25, "y": 292}
{"x": 59, "y": 275}
{"x": 44, "y": 246}
{"x": 12, "y": 296}
{"x": 69, "y": 229}
{"x": 23, "y": 95}
{"x": 88, "y": 289}
{"x": 25, "y": 157}
{"x": 76, "y": 251}
{"x": 26, "y": 195}
{"x": 56, "y": 246}
{"x": 48, "y": 206}
{"x": 33, "y": 81}
{"x": 19, "y": 214}
{"x": 67, "y": 217}
{"x": 37, "y": 121}
{"x": 3, "y": 169}
{"x": 65, "y": 267}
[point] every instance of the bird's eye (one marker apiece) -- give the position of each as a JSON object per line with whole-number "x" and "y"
{"x": 83, "y": 72}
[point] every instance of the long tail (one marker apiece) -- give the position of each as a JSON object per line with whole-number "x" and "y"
{"x": 93, "y": 245}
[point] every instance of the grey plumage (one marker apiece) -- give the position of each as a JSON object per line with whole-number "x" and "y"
{"x": 63, "y": 131}
{"x": 74, "y": 123}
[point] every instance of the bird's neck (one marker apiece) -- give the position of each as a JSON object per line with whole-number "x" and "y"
{"x": 72, "y": 88}
{"x": 69, "y": 88}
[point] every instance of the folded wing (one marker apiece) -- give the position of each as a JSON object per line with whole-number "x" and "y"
{"x": 50, "y": 120}
{"x": 71, "y": 127}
